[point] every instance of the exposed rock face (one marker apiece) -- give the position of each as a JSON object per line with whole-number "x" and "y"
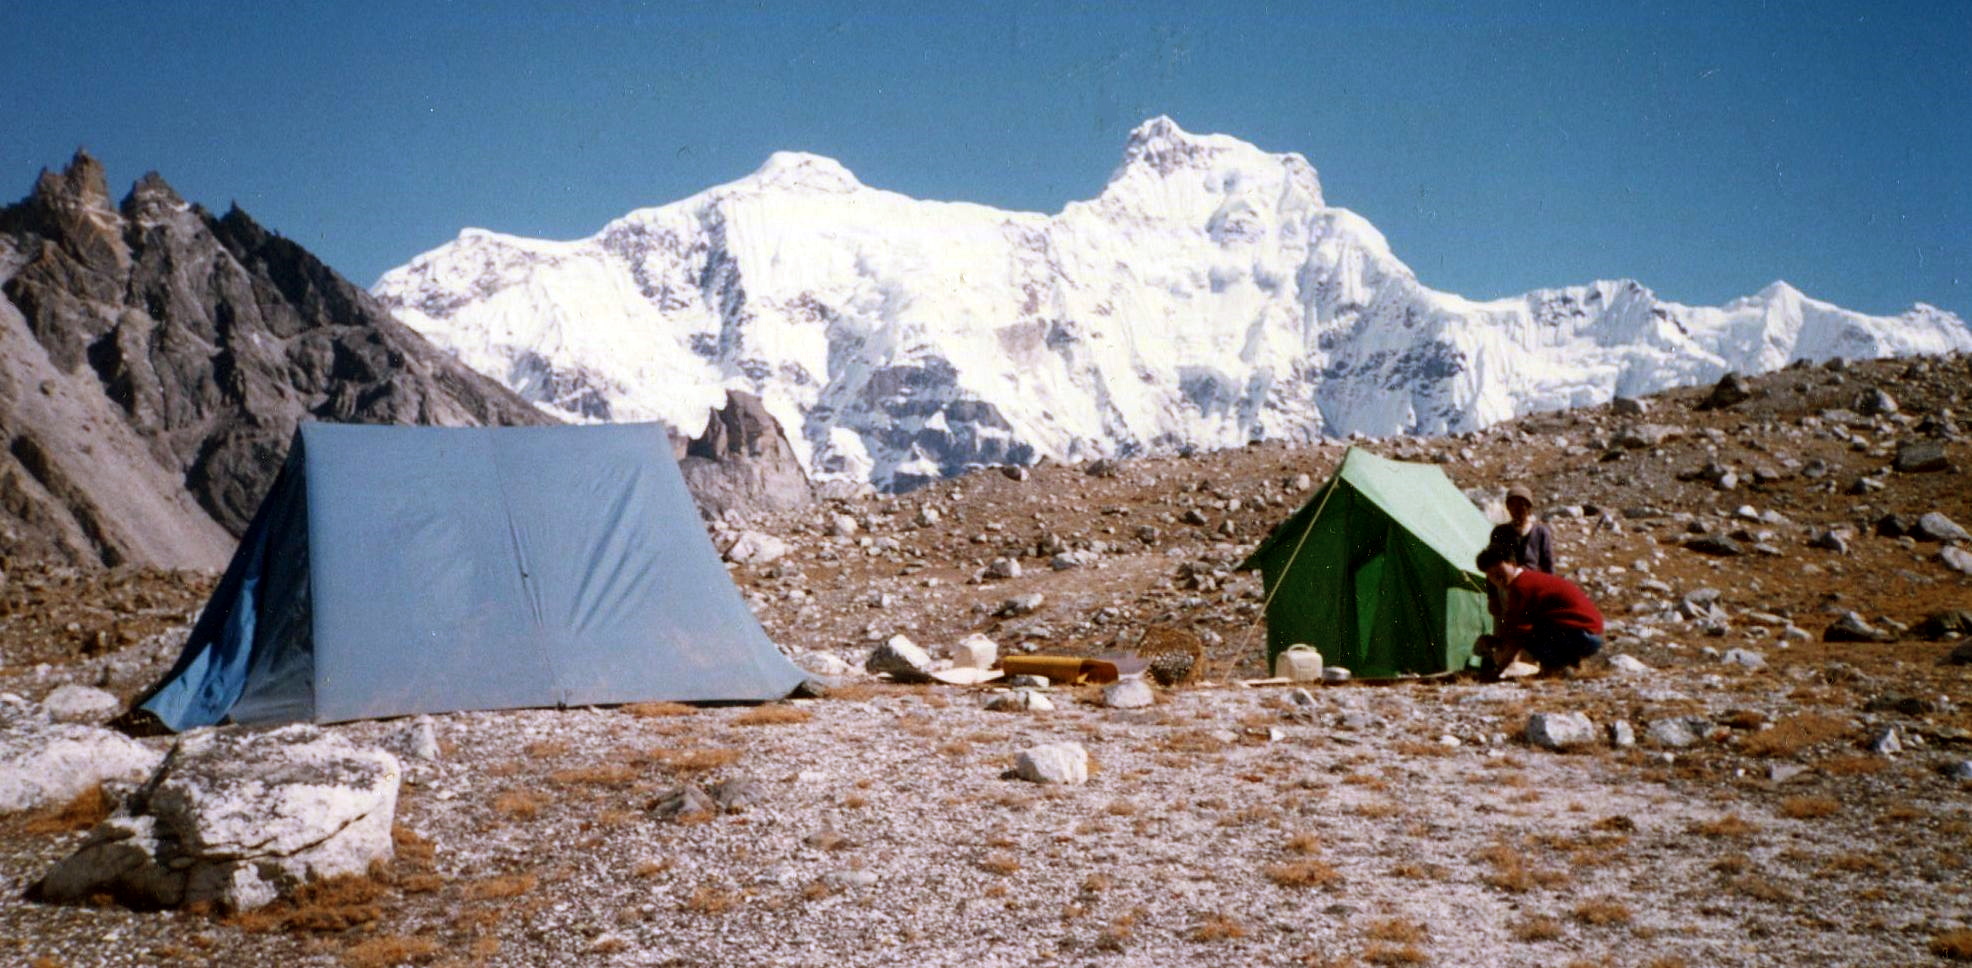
{"x": 155, "y": 360}
{"x": 238, "y": 818}
{"x": 743, "y": 462}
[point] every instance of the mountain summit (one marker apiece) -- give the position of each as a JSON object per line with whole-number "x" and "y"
{"x": 1208, "y": 296}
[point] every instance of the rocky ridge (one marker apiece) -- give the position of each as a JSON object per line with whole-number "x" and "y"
{"x": 155, "y": 360}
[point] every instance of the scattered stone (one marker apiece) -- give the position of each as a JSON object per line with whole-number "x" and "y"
{"x": 901, "y": 659}
{"x": 754, "y": 548}
{"x": 1731, "y": 390}
{"x": 1893, "y": 526}
{"x": 1020, "y": 605}
{"x": 1003, "y": 568}
{"x": 1622, "y": 735}
{"x": 1832, "y": 539}
{"x": 1875, "y": 402}
{"x": 72, "y": 703}
{"x": 1069, "y": 559}
{"x": 237, "y": 819}
{"x": 928, "y": 517}
{"x": 683, "y": 801}
{"x": 1013, "y": 472}
{"x": 1866, "y": 485}
{"x": 1301, "y": 697}
{"x": 1674, "y": 733}
{"x": 1557, "y": 731}
{"x": 826, "y": 664}
{"x": 1019, "y": 701}
{"x": 845, "y": 880}
{"x": 843, "y": 526}
{"x": 1027, "y": 682}
{"x": 1054, "y": 763}
{"x": 1129, "y": 692}
{"x": 1960, "y": 771}
{"x": 1745, "y": 658}
{"x": 1815, "y": 470}
{"x": 1629, "y": 406}
{"x": 1886, "y": 742}
{"x": 1778, "y": 772}
{"x": 418, "y": 740}
{"x": 1101, "y": 467}
{"x": 1628, "y": 665}
{"x": 1936, "y": 527}
{"x": 1717, "y": 545}
{"x": 736, "y": 794}
{"x": 1851, "y": 628}
{"x": 1956, "y": 558}
{"x": 1921, "y": 457}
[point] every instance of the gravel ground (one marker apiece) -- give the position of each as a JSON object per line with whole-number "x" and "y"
{"x": 1405, "y": 823}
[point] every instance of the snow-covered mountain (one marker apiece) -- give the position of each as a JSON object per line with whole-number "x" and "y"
{"x": 1208, "y": 296}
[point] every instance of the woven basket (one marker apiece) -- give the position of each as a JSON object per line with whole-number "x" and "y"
{"x": 1176, "y": 656}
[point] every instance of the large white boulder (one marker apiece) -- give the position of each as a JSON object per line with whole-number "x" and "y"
{"x": 46, "y": 764}
{"x": 1054, "y": 763}
{"x": 239, "y": 818}
{"x": 72, "y": 703}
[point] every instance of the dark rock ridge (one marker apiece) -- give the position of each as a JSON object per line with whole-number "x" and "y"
{"x": 743, "y": 462}
{"x": 155, "y": 361}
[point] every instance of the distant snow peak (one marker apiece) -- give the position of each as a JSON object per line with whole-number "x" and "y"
{"x": 1208, "y": 296}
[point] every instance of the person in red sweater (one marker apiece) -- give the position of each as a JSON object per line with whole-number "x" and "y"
{"x": 1545, "y": 617}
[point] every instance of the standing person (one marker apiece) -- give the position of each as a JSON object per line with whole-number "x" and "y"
{"x": 1545, "y": 617}
{"x": 1524, "y": 540}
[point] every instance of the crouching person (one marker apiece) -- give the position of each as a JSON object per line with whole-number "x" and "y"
{"x": 1545, "y": 618}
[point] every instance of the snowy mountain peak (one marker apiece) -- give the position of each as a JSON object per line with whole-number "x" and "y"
{"x": 801, "y": 170}
{"x": 1207, "y": 297}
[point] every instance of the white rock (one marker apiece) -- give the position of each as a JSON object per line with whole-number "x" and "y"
{"x": 1744, "y": 658}
{"x": 975, "y": 651}
{"x": 1054, "y": 763}
{"x": 1961, "y": 770}
{"x": 1129, "y": 692}
{"x": 1622, "y": 735}
{"x": 46, "y": 764}
{"x": 1560, "y": 730}
{"x": 418, "y": 740}
{"x": 1886, "y": 742}
{"x": 1003, "y": 568}
{"x": 239, "y": 818}
{"x": 755, "y": 548}
{"x": 843, "y": 526}
{"x": 1628, "y": 665}
{"x": 901, "y": 658}
{"x": 1675, "y": 733}
{"x": 81, "y": 704}
{"x": 1018, "y": 701}
{"x": 823, "y": 664}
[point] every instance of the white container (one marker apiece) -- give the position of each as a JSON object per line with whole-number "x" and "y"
{"x": 1300, "y": 663}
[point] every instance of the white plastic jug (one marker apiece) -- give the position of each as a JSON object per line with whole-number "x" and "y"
{"x": 1300, "y": 662}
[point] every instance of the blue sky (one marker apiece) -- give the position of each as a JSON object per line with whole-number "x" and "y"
{"x": 1703, "y": 149}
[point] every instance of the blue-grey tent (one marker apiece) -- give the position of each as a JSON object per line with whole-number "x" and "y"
{"x": 399, "y": 570}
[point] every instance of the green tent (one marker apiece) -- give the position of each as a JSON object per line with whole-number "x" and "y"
{"x": 1375, "y": 571}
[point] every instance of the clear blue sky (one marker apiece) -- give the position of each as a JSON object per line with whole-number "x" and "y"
{"x": 1704, "y": 149}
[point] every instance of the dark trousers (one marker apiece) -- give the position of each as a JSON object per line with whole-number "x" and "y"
{"x": 1555, "y": 647}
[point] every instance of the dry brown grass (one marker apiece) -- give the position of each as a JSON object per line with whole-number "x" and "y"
{"x": 1733, "y": 863}
{"x": 1115, "y": 935}
{"x": 545, "y": 749}
{"x": 1303, "y": 873}
{"x": 659, "y": 710}
{"x": 1217, "y": 927}
{"x": 1761, "y": 889}
{"x": 1953, "y": 945}
{"x": 1418, "y": 871}
{"x": 506, "y": 885}
{"x": 519, "y": 804}
{"x": 327, "y": 906}
{"x": 1398, "y": 929}
{"x": 1513, "y": 873}
{"x": 1378, "y": 809}
{"x": 772, "y": 716}
{"x": 707, "y": 899}
{"x": 601, "y": 774}
{"x": 955, "y": 748}
{"x": 1538, "y": 927}
{"x": 389, "y": 951}
{"x": 652, "y": 868}
{"x": 1305, "y": 842}
{"x": 1379, "y": 953}
{"x": 1602, "y": 910}
{"x": 83, "y": 811}
{"x": 999, "y": 862}
{"x": 1857, "y": 863}
{"x": 1414, "y": 747}
{"x": 694, "y": 759}
{"x": 1191, "y": 741}
{"x": 1792, "y": 734}
{"x": 1809, "y": 808}
{"x": 1730, "y": 825}
{"x": 413, "y": 850}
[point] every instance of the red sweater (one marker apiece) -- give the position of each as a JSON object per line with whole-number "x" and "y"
{"x": 1539, "y": 600}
